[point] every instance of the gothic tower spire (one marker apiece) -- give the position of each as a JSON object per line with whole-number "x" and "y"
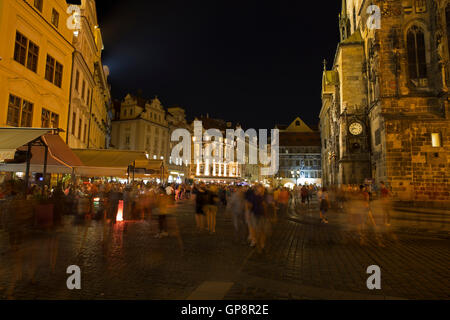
{"x": 344, "y": 22}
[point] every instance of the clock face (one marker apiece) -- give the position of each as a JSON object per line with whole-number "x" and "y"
{"x": 356, "y": 128}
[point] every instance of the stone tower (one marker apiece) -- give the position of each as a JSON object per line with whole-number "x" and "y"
{"x": 393, "y": 81}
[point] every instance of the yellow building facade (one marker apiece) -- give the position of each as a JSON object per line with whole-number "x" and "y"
{"x": 35, "y": 63}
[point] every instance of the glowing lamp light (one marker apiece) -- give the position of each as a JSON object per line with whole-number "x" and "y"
{"x": 119, "y": 216}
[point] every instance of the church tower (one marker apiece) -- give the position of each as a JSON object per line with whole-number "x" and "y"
{"x": 344, "y": 22}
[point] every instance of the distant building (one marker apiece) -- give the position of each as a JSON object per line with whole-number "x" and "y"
{"x": 300, "y": 158}
{"x": 225, "y": 172}
{"x": 35, "y": 66}
{"x": 141, "y": 125}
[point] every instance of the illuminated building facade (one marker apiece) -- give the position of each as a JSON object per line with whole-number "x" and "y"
{"x": 207, "y": 171}
{"x": 90, "y": 113}
{"x": 35, "y": 63}
{"x": 385, "y": 112}
{"x": 141, "y": 124}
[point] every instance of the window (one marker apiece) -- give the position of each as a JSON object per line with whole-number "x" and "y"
{"x": 436, "y": 140}
{"x": 58, "y": 74}
{"x": 77, "y": 81}
{"x": 27, "y": 114}
{"x": 20, "y": 49}
{"x": 53, "y": 71}
{"x": 26, "y": 52}
{"x": 421, "y": 6}
{"x": 127, "y": 140}
{"x": 55, "y": 18}
{"x": 88, "y": 95}
{"x": 49, "y": 119}
{"x": 85, "y": 131}
{"x": 447, "y": 17}
{"x": 45, "y": 118}
{"x": 38, "y": 4}
{"x": 19, "y": 112}
{"x": 297, "y": 123}
{"x": 377, "y": 137}
{"x": 417, "y": 64}
{"x": 32, "y": 58}
{"x": 79, "y": 128}
{"x": 74, "y": 123}
{"x": 83, "y": 90}
{"x": 55, "y": 120}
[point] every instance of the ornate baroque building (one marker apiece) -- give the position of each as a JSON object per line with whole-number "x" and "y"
{"x": 385, "y": 111}
{"x": 141, "y": 125}
{"x": 89, "y": 124}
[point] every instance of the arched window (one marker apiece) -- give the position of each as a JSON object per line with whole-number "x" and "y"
{"x": 447, "y": 20}
{"x": 297, "y": 123}
{"x": 417, "y": 63}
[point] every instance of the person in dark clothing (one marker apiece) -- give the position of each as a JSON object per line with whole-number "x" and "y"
{"x": 200, "y": 201}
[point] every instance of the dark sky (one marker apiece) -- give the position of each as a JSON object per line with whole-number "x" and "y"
{"x": 254, "y": 62}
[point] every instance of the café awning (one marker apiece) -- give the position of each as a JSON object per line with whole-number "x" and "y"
{"x": 60, "y": 158}
{"x": 13, "y": 138}
{"x": 106, "y": 162}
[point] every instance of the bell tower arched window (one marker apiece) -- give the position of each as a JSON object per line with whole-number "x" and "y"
{"x": 447, "y": 21}
{"x": 417, "y": 62}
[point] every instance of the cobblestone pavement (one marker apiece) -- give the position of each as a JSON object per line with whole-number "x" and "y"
{"x": 303, "y": 260}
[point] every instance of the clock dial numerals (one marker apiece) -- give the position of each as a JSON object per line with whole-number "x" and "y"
{"x": 356, "y": 128}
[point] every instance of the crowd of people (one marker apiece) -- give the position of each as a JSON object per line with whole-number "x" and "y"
{"x": 251, "y": 207}
{"x": 254, "y": 210}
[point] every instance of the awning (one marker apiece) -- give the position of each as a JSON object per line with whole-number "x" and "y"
{"x": 60, "y": 158}
{"x": 106, "y": 162}
{"x": 151, "y": 165}
{"x": 13, "y": 138}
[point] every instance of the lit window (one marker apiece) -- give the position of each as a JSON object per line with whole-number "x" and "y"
{"x": 55, "y": 18}
{"x": 19, "y": 112}
{"x": 38, "y": 4}
{"x": 26, "y": 52}
{"x": 436, "y": 139}
{"x": 53, "y": 71}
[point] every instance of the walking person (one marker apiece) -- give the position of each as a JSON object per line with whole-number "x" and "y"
{"x": 163, "y": 203}
{"x": 385, "y": 197}
{"x": 236, "y": 206}
{"x": 324, "y": 205}
{"x": 210, "y": 209}
{"x": 200, "y": 202}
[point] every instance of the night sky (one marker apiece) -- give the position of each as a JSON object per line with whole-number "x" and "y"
{"x": 258, "y": 63}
